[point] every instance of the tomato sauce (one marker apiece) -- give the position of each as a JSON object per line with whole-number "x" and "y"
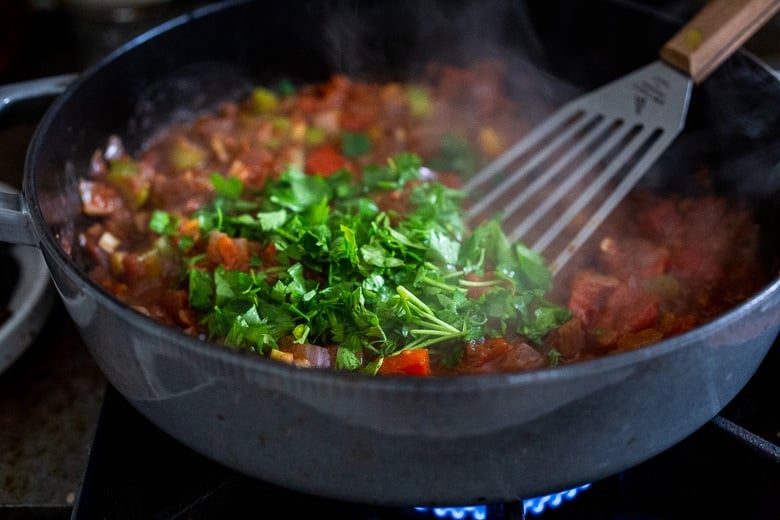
{"x": 660, "y": 266}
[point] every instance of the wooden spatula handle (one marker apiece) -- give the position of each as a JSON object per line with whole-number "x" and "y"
{"x": 715, "y": 33}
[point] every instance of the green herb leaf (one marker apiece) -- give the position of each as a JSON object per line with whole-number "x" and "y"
{"x": 355, "y": 144}
{"x": 373, "y": 282}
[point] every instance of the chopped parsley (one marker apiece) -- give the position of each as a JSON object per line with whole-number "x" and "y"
{"x": 345, "y": 272}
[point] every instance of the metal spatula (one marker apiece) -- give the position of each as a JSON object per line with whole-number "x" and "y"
{"x": 572, "y": 170}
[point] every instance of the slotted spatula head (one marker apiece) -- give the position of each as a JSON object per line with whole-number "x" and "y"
{"x": 572, "y": 170}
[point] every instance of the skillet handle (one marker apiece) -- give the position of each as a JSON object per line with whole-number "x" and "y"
{"x": 715, "y": 33}
{"x": 15, "y": 221}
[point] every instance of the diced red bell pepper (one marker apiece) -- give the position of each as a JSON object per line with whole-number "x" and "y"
{"x": 407, "y": 362}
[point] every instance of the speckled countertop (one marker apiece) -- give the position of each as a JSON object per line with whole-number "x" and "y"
{"x": 49, "y": 402}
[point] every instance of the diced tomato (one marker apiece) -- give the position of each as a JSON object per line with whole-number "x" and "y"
{"x": 588, "y": 293}
{"x": 569, "y": 339}
{"x": 694, "y": 262}
{"x": 626, "y": 311}
{"x": 486, "y": 351}
{"x": 409, "y": 362}
{"x": 324, "y": 160}
{"x": 631, "y": 309}
{"x": 268, "y": 254}
{"x": 233, "y": 253}
{"x": 635, "y": 257}
{"x": 499, "y": 355}
{"x": 175, "y": 302}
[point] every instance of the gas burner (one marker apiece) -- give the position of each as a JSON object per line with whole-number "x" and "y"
{"x": 137, "y": 471}
{"x": 534, "y": 506}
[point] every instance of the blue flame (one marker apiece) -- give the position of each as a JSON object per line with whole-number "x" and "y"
{"x": 534, "y": 506}
{"x": 458, "y": 513}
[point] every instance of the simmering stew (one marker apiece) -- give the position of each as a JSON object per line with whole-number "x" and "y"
{"x": 322, "y": 225}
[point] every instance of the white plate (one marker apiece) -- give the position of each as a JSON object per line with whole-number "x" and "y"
{"x": 29, "y": 303}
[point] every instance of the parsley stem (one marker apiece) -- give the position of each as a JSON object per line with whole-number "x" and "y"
{"x": 441, "y": 285}
{"x": 432, "y": 332}
{"x": 422, "y": 314}
{"x": 480, "y": 283}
